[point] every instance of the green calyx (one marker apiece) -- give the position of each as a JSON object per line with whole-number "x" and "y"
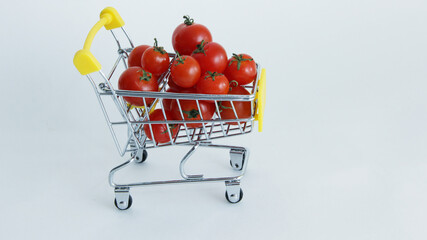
{"x": 179, "y": 59}
{"x": 157, "y": 48}
{"x": 239, "y": 59}
{"x": 171, "y": 127}
{"x": 200, "y": 48}
{"x": 193, "y": 113}
{"x": 188, "y": 21}
{"x": 212, "y": 75}
{"x": 146, "y": 76}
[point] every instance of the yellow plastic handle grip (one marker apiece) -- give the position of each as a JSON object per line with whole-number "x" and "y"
{"x": 84, "y": 60}
{"x": 260, "y": 97}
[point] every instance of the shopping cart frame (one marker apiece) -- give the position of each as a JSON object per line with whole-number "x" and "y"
{"x": 135, "y": 118}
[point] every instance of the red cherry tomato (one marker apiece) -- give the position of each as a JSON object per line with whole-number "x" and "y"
{"x": 167, "y": 102}
{"x": 160, "y": 130}
{"x": 177, "y": 89}
{"x": 188, "y": 34}
{"x": 241, "y": 68}
{"x": 134, "y": 59}
{"x": 211, "y": 57}
{"x": 138, "y": 79}
{"x": 191, "y": 111}
{"x": 155, "y": 60}
{"x": 213, "y": 83}
{"x": 243, "y": 109}
{"x": 185, "y": 71}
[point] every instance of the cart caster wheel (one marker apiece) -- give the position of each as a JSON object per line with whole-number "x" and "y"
{"x": 232, "y": 198}
{"x": 140, "y": 158}
{"x": 122, "y": 205}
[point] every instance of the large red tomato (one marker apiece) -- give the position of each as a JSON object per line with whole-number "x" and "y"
{"x": 243, "y": 109}
{"x": 185, "y": 71}
{"x": 134, "y": 59}
{"x": 160, "y": 131}
{"x": 213, "y": 83}
{"x": 155, "y": 59}
{"x": 241, "y": 68}
{"x": 138, "y": 79}
{"x": 188, "y": 34}
{"x": 191, "y": 111}
{"x": 211, "y": 57}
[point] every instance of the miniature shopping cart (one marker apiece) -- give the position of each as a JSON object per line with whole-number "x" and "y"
{"x": 134, "y": 119}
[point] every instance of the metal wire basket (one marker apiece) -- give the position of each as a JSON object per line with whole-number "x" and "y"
{"x": 135, "y": 118}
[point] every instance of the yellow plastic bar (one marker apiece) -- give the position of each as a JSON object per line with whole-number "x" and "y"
{"x": 84, "y": 60}
{"x": 260, "y": 97}
{"x": 92, "y": 33}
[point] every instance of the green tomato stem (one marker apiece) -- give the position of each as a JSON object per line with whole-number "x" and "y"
{"x": 193, "y": 113}
{"x": 188, "y": 21}
{"x": 239, "y": 59}
{"x": 157, "y": 48}
{"x": 146, "y": 76}
{"x": 200, "y": 48}
{"x": 179, "y": 59}
{"x": 212, "y": 75}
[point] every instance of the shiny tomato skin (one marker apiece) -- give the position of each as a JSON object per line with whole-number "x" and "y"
{"x": 243, "y": 109}
{"x": 155, "y": 61}
{"x": 213, "y": 83}
{"x": 133, "y": 79}
{"x": 243, "y": 74}
{"x": 160, "y": 131}
{"x": 185, "y": 71}
{"x": 186, "y": 37}
{"x": 191, "y": 111}
{"x": 134, "y": 59}
{"x": 211, "y": 57}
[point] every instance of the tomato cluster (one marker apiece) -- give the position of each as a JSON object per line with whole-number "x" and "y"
{"x": 200, "y": 66}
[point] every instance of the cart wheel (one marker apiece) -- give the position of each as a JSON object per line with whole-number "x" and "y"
{"x": 234, "y": 200}
{"x": 128, "y": 206}
{"x": 144, "y": 157}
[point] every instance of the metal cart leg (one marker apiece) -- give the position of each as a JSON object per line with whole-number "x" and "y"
{"x": 123, "y": 200}
{"x": 184, "y": 160}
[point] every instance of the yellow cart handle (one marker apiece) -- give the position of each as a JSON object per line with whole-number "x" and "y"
{"x": 84, "y": 60}
{"x": 260, "y": 97}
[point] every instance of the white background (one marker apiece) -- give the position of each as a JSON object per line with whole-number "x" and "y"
{"x": 342, "y": 156}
